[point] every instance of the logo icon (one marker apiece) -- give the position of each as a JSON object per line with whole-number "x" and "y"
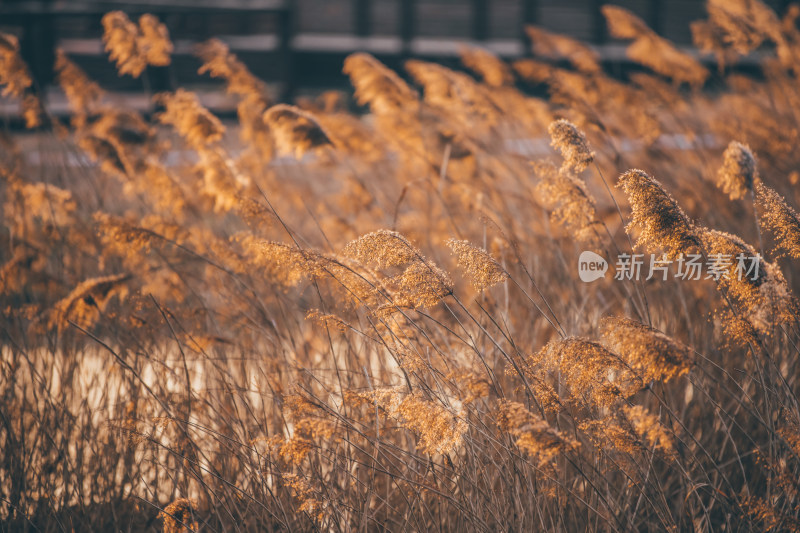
{"x": 591, "y": 266}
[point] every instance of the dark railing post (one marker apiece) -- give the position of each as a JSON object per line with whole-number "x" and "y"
{"x": 160, "y": 78}
{"x": 598, "y": 22}
{"x": 530, "y": 11}
{"x": 362, "y": 17}
{"x": 656, "y": 20}
{"x": 407, "y": 21}
{"x": 286, "y": 30}
{"x": 38, "y": 46}
{"x": 530, "y": 15}
{"x": 480, "y": 20}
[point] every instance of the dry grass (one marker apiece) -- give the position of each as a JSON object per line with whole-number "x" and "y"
{"x": 316, "y": 319}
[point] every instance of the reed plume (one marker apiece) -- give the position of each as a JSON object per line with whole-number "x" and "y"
{"x": 571, "y": 206}
{"x": 743, "y": 24}
{"x": 88, "y": 300}
{"x": 154, "y": 41}
{"x": 180, "y": 516}
{"x": 779, "y": 218}
{"x": 756, "y": 288}
{"x": 652, "y": 50}
{"x": 382, "y": 248}
{"x": 120, "y": 36}
{"x": 379, "y": 87}
{"x": 492, "y": 70}
{"x": 631, "y": 430}
{"x": 220, "y": 62}
{"x": 556, "y": 46}
{"x": 40, "y": 203}
{"x": 454, "y": 92}
{"x": 82, "y": 93}
{"x": 571, "y": 143}
{"x": 660, "y": 221}
{"x": 420, "y": 284}
{"x": 594, "y": 374}
{"x": 195, "y": 123}
{"x": 134, "y": 47}
{"x": 307, "y": 496}
{"x": 440, "y": 430}
{"x": 738, "y": 171}
{"x": 653, "y": 355}
{"x": 295, "y": 131}
{"x": 534, "y": 435}
{"x": 32, "y": 111}
{"x": 533, "y": 71}
{"x": 221, "y": 179}
{"x": 285, "y": 265}
{"x": 481, "y": 268}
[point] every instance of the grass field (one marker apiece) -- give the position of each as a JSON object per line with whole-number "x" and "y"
{"x": 364, "y": 312}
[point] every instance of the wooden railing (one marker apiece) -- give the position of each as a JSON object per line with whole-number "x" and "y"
{"x": 35, "y": 21}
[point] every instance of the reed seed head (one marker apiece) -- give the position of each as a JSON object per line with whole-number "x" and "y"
{"x": 738, "y": 171}
{"x": 660, "y": 221}
{"x": 571, "y": 143}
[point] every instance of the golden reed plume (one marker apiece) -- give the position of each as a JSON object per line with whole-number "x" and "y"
{"x": 134, "y": 47}
{"x": 570, "y": 204}
{"x": 779, "y": 218}
{"x": 738, "y": 171}
{"x": 555, "y": 46}
{"x": 650, "y": 353}
{"x": 571, "y": 143}
{"x": 295, "y": 131}
{"x": 180, "y": 516}
{"x": 379, "y": 87}
{"x": 481, "y": 268}
{"x": 652, "y": 50}
{"x": 660, "y": 221}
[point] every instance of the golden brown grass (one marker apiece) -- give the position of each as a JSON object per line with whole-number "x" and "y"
{"x": 251, "y": 324}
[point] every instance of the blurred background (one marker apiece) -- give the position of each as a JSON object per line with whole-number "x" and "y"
{"x": 298, "y": 46}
